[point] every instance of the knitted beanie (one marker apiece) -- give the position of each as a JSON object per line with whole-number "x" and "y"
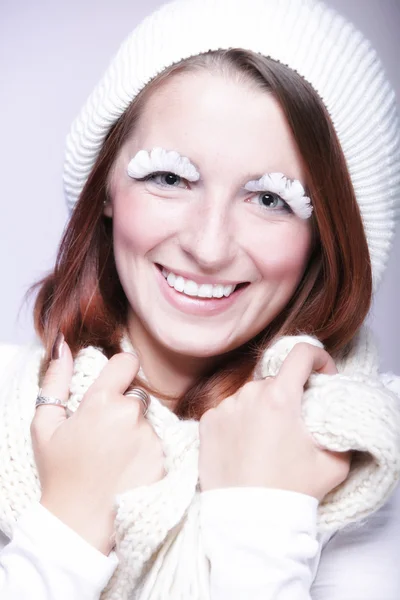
{"x": 305, "y": 35}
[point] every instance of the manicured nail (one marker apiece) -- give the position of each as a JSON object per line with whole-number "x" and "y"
{"x": 57, "y": 347}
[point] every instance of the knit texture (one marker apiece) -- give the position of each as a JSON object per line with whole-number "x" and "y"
{"x": 307, "y": 36}
{"x": 157, "y": 527}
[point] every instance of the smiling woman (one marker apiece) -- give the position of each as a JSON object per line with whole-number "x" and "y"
{"x": 209, "y": 229}
{"x": 292, "y": 274}
{"x": 218, "y": 399}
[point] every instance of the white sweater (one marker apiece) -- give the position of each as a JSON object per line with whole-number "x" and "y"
{"x": 259, "y": 543}
{"x": 48, "y": 561}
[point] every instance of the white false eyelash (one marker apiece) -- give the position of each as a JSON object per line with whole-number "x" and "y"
{"x": 144, "y": 163}
{"x": 290, "y": 190}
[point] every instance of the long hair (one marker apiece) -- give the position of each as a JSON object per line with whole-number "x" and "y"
{"x": 83, "y": 296}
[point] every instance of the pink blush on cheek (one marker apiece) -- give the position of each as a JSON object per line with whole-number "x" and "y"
{"x": 142, "y": 221}
{"x": 281, "y": 253}
{"x": 279, "y": 264}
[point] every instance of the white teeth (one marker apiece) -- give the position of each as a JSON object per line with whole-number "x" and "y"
{"x": 218, "y": 291}
{"x": 205, "y": 290}
{"x": 228, "y": 289}
{"x": 179, "y": 284}
{"x": 171, "y": 279}
{"x": 191, "y": 288}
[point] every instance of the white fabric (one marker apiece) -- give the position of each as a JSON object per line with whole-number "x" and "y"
{"x": 306, "y": 35}
{"x": 270, "y": 556}
{"x": 358, "y": 563}
{"x": 47, "y": 561}
{"x": 158, "y": 527}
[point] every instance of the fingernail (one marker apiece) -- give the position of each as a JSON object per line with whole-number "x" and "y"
{"x": 57, "y": 347}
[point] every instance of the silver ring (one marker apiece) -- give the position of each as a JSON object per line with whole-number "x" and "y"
{"x": 41, "y": 400}
{"x": 142, "y": 395}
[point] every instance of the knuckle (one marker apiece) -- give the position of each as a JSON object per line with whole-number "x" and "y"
{"x": 121, "y": 416}
{"x": 259, "y": 393}
{"x": 100, "y": 396}
{"x": 207, "y": 418}
{"x": 96, "y": 399}
{"x": 227, "y": 404}
{"x": 128, "y": 407}
{"x": 250, "y": 388}
{"x": 277, "y": 403}
{"x": 304, "y": 347}
{"x": 133, "y": 408}
{"x": 311, "y": 350}
{"x": 275, "y": 393}
{"x": 126, "y": 359}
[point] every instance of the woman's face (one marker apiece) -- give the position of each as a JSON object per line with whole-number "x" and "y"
{"x": 207, "y": 229}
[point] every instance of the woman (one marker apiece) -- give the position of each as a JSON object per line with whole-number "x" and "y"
{"x": 229, "y": 191}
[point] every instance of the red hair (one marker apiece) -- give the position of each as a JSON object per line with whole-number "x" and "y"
{"x": 83, "y": 296}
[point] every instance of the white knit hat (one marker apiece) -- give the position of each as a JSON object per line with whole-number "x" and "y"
{"x": 307, "y": 36}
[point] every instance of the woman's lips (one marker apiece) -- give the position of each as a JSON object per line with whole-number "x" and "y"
{"x": 194, "y": 305}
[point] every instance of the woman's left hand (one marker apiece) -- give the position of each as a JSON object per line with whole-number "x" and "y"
{"x": 257, "y": 437}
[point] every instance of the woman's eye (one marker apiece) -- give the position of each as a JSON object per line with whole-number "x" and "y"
{"x": 165, "y": 179}
{"x": 270, "y": 200}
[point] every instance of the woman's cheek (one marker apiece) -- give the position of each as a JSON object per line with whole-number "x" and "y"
{"x": 281, "y": 250}
{"x": 144, "y": 221}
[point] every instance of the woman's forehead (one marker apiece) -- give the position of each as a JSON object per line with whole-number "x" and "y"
{"x": 218, "y": 124}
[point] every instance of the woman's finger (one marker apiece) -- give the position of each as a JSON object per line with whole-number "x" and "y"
{"x": 301, "y": 361}
{"x": 117, "y": 375}
{"x": 55, "y": 384}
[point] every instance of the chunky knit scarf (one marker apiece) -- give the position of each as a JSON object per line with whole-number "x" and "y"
{"x": 158, "y": 539}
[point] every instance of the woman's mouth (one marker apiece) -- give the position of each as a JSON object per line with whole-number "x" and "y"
{"x": 199, "y": 290}
{"x": 198, "y": 298}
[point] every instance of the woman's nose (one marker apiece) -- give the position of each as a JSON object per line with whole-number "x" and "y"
{"x": 207, "y": 236}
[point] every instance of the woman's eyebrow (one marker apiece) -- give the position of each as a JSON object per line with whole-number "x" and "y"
{"x": 160, "y": 159}
{"x": 257, "y": 177}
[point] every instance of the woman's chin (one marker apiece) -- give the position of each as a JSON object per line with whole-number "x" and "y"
{"x": 201, "y": 347}
{"x": 196, "y": 340}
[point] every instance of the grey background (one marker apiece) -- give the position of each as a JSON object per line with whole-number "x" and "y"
{"x": 52, "y": 53}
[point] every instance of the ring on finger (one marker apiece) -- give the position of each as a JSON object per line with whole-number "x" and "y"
{"x": 142, "y": 395}
{"x": 49, "y": 400}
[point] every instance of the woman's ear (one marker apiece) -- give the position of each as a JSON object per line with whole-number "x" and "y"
{"x": 107, "y": 208}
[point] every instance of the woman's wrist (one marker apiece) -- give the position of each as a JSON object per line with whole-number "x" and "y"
{"x": 94, "y": 524}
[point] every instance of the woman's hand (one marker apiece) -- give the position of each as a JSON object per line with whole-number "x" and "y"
{"x": 257, "y": 437}
{"x": 106, "y": 447}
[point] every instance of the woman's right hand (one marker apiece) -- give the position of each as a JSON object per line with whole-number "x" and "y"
{"x": 106, "y": 447}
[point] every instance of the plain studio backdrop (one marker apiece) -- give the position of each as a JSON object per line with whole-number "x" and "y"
{"x": 52, "y": 53}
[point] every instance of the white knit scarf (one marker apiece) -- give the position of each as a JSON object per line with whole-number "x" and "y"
{"x": 158, "y": 537}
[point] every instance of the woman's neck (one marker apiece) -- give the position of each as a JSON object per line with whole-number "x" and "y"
{"x": 168, "y": 372}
